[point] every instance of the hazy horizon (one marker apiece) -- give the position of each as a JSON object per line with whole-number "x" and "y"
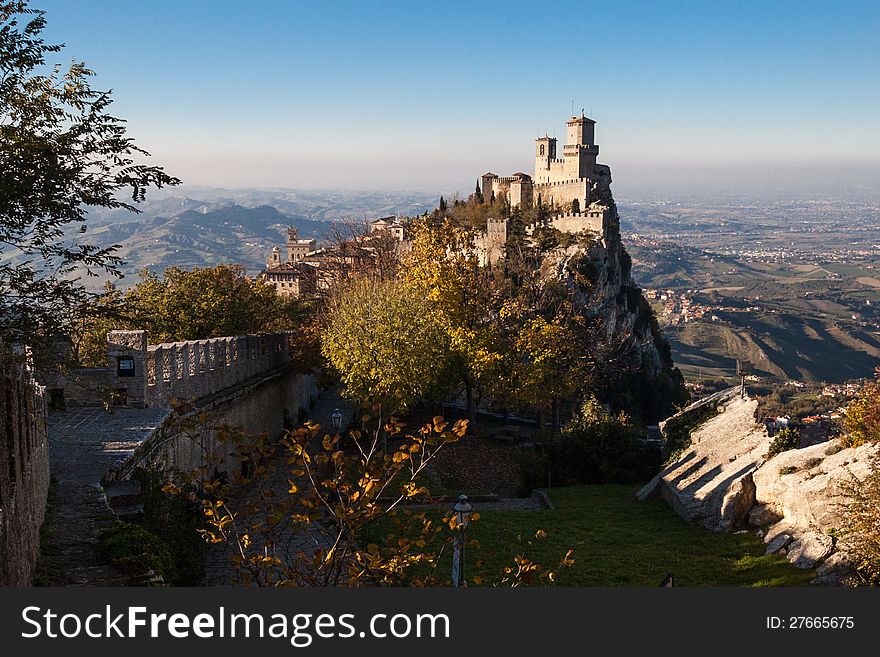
{"x": 398, "y": 95}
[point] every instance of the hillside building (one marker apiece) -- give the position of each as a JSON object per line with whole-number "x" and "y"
{"x": 557, "y": 181}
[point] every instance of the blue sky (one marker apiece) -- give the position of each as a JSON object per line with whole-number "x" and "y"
{"x": 430, "y": 95}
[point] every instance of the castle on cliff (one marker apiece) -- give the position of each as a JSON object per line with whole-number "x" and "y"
{"x": 576, "y": 186}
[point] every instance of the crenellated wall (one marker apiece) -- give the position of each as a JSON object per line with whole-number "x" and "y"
{"x": 575, "y": 222}
{"x": 196, "y": 368}
{"x": 24, "y": 469}
{"x": 189, "y": 439}
{"x": 141, "y": 375}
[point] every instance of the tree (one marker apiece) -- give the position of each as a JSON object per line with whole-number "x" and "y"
{"x": 862, "y": 421}
{"x": 861, "y": 531}
{"x": 61, "y": 152}
{"x": 442, "y": 206}
{"x": 444, "y": 268}
{"x": 383, "y": 338}
{"x": 575, "y": 206}
{"x": 182, "y": 305}
{"x": 478, "y": 194}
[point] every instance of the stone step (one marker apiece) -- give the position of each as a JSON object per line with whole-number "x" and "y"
{"x": 123, "y": 493}
{"x": 131, "y": 513}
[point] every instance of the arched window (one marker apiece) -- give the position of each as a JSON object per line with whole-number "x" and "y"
{"x": 542, "y": 149}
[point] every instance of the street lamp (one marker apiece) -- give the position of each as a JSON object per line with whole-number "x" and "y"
{"x": 462, "y": 511}
{"x": 336, "y": 420}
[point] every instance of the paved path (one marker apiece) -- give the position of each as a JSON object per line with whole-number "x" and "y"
{"x": 84, "y": 443}
{"x": 219, "y": 567}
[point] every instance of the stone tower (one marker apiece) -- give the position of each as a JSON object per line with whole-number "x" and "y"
{"x": 297, "y": 249}
{"x": 275, "y": 258}
{"x": 545, "y": 155}
{"x": 580, "y": 150}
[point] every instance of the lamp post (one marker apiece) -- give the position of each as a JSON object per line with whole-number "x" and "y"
{"x": 336, "y": 420}
{"x": 462, "y": 511}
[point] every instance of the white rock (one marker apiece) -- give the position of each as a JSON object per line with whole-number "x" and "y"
{"x": 778, "y": 543}
{"x": 810, "y": 549}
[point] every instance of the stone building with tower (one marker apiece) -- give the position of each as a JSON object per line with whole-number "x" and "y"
{"x": 558, "y": 181}
{"x": 575, "y": 186}
{"x": 294, "y": 276}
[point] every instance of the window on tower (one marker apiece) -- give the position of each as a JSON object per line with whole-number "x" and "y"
{"x": 542, "y": 149}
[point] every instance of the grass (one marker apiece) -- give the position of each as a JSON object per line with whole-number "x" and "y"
{"x": 620, "y": 541}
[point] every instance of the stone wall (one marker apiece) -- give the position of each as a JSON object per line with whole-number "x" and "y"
{"x": 121, "y": 382}
{"x": 24, "y": 469}
{"x": 188, "y": 440}
{"x": 141, "y": 375}
{"x": 563, "y": 193}
{"x": 593, "y": 220}
{"x": 195, "y": 368}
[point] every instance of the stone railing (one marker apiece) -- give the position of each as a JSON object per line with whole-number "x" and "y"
{"x": 24, "y": 469}
{"x": 196, "y": 368}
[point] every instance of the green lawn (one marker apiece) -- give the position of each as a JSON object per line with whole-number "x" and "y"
{"x": 620, "y": 541}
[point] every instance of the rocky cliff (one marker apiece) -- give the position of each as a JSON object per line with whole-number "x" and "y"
{"x": 793, "y": 501}
{"x": 598, "y": 273}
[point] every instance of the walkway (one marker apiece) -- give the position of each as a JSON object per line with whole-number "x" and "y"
{"x": 84, "y": 443}
{"x": 220, "y": 569}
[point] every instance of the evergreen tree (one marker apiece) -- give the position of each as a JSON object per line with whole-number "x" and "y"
{"x": 442, "y": 206}
{"x": 478, "y": 194}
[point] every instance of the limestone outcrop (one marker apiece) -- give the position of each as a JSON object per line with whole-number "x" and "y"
{"x": 803, "y": 491}
{"x": 712, "y": 482}
{"x": 793, "y": 500}
{"x": 597, "y": 271}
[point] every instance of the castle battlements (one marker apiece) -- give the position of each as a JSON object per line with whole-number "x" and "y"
{"x": 568, "y": 182}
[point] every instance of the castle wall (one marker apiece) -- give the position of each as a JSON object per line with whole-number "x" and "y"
{"x": 189, "y": 441}
{"x": 563, "y": 193}
{"x": 195, "y": 368}
{"x": 593, "y": 221}
{"x": 141, "y": 375}
{"x": 24, "y": 469}
{"x": 121, "y": 382}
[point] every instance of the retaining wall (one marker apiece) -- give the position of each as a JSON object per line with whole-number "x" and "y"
{"x": 24, "y": 469}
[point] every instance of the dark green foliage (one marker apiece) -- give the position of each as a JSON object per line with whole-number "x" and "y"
{"x": 677, "y": 431}
{"x": 575, "y": 206}
{"x": 785, "y": 440}
{"x": 61, "y": 153}
{"x": 135, "y": 550}
{"x": 795, "y": 403}
{"x": 595, "y": 447}
{"x": 176, "y": 519}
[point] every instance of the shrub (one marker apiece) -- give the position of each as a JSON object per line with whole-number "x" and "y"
{"x": 785, "y": 440}
{"x": 677, "y": 430}
{"x": 788, "y": 469}
{"x": 833, "y": 449}
{"x": 135, "y": 550}
{"x": 595, "y": 447}
{"x": 176, "y": 519}
{"x": 862, "y": 421}
{"x": 862, "y": 529}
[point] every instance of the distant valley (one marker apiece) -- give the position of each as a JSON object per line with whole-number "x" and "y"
{"x": 792, "y": 285}
{"x": 205, "y": 226}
